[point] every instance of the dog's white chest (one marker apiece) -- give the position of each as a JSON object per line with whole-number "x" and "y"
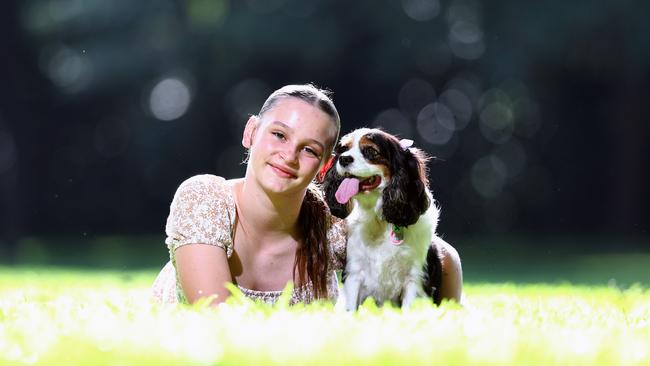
{"x": 384, "y": 266}
{"x": 380, "y": 269}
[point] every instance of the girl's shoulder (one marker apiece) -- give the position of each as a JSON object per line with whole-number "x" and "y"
{"x": 204, "y": 186}
{"x": 204, "y": 180}
{"x": 202, "y": 211}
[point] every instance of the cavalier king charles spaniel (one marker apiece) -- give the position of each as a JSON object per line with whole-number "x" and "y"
{"x": 378, "y": 184}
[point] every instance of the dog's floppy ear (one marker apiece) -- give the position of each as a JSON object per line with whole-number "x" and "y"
{"x": 331, "y": 182}
{"x": 405, "y": 198}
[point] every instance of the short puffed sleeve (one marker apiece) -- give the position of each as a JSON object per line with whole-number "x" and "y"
{"x": 202, "y": 212}
{"x": 337, "y": 238}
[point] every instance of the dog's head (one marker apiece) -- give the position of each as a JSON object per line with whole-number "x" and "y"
{"x": 373, "y": 164}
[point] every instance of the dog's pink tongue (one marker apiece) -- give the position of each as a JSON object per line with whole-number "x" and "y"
{"x": 348, "y": 188}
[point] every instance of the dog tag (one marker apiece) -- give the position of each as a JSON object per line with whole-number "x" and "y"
{"x": 397, "y": 235}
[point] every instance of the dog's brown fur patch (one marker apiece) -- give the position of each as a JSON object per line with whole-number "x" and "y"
{"x": 382, "y": 161}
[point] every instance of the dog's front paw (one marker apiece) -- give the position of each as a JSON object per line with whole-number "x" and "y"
{"x": 406, "y": 303}
{"x": 411, "y": 291}
{"x": 351, "y": 288}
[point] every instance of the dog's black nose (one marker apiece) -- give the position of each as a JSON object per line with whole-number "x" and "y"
{"x": 345, "y": 160}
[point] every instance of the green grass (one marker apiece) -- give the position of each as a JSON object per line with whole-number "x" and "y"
{"x": 64, "y": 317}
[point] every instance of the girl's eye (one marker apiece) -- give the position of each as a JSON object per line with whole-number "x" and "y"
{"x": 311, "y": 151}
{"x": 279, "y": 135}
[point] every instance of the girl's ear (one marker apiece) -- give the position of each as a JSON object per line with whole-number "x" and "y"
{"x": 249, "y": 131}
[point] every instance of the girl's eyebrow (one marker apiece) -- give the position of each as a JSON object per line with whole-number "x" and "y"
{"x": 284, "y": 125}
{"x": 281, "y": 124}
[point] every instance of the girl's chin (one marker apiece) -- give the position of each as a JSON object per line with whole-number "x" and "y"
{"x": 272, "y": 182}
{"x": 277, "y": 185}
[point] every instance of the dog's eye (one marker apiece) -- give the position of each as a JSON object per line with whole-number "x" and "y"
{"x": 370, "y": 153}
{"x": 340, "y": 149}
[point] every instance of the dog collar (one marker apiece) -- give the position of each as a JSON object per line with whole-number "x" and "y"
{"x": 397, "y": 235}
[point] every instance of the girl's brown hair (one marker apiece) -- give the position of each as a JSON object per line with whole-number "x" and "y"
{"x": 312, "y": 257}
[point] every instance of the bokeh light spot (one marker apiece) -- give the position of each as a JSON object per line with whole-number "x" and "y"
{"x": 496, "y": 116}
{"x": 469, "y": 85}
{"x": 489, "y": 176}
{"x": 496, "y": 123}
{"x": 465, "y": 34}
{"x": 68, "y": 69}
{"x": 459, "y": 104}
{"x": 421, "y": 10}
{"x": 169, "y": 99}
{"x": 494, "y": 95}
{"x": 436, "y": 123}
{"x": 467, "y": 51}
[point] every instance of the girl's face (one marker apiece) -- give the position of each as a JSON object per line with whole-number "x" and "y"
{"x": 288, "y": 145}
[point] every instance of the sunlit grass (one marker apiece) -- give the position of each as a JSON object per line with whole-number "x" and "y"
{"x": 56, "y": 317}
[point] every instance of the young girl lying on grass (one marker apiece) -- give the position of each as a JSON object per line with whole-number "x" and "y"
{"x": 272, "y": 226}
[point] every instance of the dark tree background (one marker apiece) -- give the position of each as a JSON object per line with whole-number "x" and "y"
{"x": 536, "y": 111}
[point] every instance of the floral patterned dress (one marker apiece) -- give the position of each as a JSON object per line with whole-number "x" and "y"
{"x": 203, "y": 212}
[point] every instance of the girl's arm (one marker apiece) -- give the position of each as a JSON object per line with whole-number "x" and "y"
{"x": 452, "y": 271}
{"x": 203, "y": 271}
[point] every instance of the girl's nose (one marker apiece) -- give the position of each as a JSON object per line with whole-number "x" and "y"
{"x": 290, "y": 155}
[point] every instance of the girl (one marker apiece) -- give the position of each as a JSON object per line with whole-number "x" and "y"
{"x": 272, "y": 226}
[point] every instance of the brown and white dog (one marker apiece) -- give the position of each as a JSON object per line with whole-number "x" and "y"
{"x": 379, "y": 185}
